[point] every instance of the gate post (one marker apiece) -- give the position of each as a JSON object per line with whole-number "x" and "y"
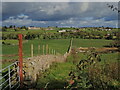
{"x": 20, "y": 60}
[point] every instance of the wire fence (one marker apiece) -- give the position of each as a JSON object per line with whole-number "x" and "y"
{"x": 33, "y": 50}
{"x": 42, "y": 50}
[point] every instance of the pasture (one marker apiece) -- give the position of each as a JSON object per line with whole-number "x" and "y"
{"x": 59, "y": 45}
{"x": 57, "y": 76}
{"x": 90, "y": 42}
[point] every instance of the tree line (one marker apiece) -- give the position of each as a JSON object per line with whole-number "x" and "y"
{"x": 62, "y": 35}
{"x": 5, "y": 28}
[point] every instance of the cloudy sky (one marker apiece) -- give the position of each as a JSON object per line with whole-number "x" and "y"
{"x": 43, "y": 14}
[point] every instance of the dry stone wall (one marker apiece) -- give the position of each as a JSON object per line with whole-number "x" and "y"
{"x": 32, "y": 67}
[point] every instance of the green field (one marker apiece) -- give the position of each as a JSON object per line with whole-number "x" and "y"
{"x": 10, "y": 51}
{"x": 60, "y": 45}
{"x": 30, "y": 31}
{"x": 90, "y": 42}
{"x": 8, "y": 42}
{"x": 57, "y": 76}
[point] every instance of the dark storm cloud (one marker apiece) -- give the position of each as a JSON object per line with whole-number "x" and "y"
{"x": 66, "y": 12}
{"x": 14, "y": 9}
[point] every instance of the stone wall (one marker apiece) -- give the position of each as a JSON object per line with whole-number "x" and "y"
{"x": 32, "y": 67}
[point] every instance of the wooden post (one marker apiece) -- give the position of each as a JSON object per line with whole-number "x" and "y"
{"x": 71, "y": 41}
{"x": 52, "y": 51}
{"x": 43, "y": 49}
{"x": 20, "y": 60}
{"x": 46, "y": 49}
{"x": 31, "y": 50}
{"x": 49, "y": 50}
{"x": 38, "y": 49}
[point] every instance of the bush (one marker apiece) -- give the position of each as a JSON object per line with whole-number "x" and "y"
{"x": 104, "y": 77}
{"x": 89, "y": 74}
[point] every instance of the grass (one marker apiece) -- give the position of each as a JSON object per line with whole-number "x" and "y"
{"x": 13, "y": 42}
{"x": 56, "y": 76}
{"x": 9, "y": 49}
{"x": 6, "y": 64}
{"x": 26, "y": 31}
{"x": 60, "y": 45}
{"x": 90, "y": 42}
{"x": 109, "y": 58}
{"x": 105, "y": 58}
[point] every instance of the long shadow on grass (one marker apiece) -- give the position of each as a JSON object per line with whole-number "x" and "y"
{"x": 53, "y": 84}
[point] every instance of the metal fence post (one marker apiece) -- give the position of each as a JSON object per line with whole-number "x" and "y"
{"x": 20, "y": 60}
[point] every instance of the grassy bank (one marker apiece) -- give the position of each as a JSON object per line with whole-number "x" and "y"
{"x": 57, "y": 76}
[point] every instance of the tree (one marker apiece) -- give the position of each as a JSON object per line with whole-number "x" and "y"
{"x": 10, "y": 26}
{"x": 4, "y": 28}
{"x": 14, "y": 27}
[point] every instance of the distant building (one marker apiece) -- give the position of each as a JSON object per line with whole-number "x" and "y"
{"x": 32, "y": 27}
{"x": 49, "y": 28}
{"x": 62, "y": 31}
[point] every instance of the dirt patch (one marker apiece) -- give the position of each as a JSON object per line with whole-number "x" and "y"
{"x": 100, "y": 50}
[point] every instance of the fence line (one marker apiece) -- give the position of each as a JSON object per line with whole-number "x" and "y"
{"x": 38, "y": 49}
{"x": 42, "y": 50}
{"x": 32, "y": 50}
{"x": 46, "y": 49}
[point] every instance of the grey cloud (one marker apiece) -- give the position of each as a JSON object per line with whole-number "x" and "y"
{"x": 51, "y": 11}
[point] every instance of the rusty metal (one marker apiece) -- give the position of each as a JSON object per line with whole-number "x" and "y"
{"x": 20, "y": 60}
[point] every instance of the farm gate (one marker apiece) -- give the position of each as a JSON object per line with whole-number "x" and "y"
{"x": 11, "y": 76}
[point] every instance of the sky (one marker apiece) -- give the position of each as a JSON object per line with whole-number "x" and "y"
{"x": 62, "y": 14}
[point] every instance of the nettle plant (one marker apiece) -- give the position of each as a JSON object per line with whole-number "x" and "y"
{"x": 79, "y": 78}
